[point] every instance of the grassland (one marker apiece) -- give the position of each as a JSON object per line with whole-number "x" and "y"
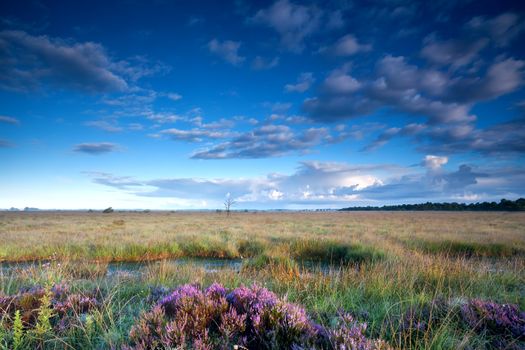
{"x": 376, "y": 265}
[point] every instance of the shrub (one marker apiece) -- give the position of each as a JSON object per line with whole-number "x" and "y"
{"x": 44, "y": 311}
{"x": 505, "y": 323}
{"x": 254, "y": 318}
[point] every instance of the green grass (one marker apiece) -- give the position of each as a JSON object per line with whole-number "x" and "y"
{"x": 469, "y": 249}
{"x": 374, "y": 265}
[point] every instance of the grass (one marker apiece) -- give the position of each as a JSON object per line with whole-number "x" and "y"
{"x": 375, "y": 265}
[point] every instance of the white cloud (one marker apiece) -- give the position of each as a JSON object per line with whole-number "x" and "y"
{"x": 303, "y": 83}
{"x": 434, "y": 162}
{"x": 228, "y": 50}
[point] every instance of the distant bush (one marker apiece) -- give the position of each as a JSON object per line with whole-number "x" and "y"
{"x": 503, "y": 205}
{"x": 108, "y": 210}
{"x": 253, "y": 318}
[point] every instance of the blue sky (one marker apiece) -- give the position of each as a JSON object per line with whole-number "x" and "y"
{"x": 277, "y": 104}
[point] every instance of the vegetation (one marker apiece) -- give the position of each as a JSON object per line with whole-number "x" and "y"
{"x": 416, "y": 280}
{"x": 503, "y": 205}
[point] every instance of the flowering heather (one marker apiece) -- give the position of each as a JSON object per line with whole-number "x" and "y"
{"x": 252, "y": 317}
{"x": 350, "y": 335}
{"x": 65, "y": 306}
{"x": 503, "y": 321}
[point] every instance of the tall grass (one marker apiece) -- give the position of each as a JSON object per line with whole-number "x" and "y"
{"x": 370, "y": 265}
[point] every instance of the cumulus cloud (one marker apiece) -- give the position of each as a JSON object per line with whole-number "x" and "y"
{"x": 228, "y": 50}
{"x": 296, "y": 22}
{"x": 28, "y": 61}
{"x": 303, "y": 83}
{"x": 454, "y": 52}
{"x": 445, "y": 99}
{"x": 293, "y": 22}
{"x": 502, "y": 29}
{"x": 9, "y": 120}
{"x": 347, "y": 46}
{"x": 434, "y": 162}
{"x": 96, "y": 148}
{"x": 261, "y": 63}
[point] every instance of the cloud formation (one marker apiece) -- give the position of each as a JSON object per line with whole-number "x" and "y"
{"x": 304, "y": 81}
{"x": 9, "y": 120}
{"x": 28, "y": 61}
{"x": 334, "y": 184}
{"x": 346, "y": 46}
{"x": 228, "y": 50}
{"x": 96, "y": 148}
{"x": 266, "y": 141}
{"x": 261, "y": 63}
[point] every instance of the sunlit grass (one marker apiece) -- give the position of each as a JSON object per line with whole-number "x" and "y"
{"x": 378, "y": 266}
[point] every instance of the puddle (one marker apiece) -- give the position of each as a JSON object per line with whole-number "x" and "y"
{"x": 133, "y": 269}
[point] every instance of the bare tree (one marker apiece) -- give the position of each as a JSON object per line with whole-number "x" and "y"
{"x": 228, "y": 203}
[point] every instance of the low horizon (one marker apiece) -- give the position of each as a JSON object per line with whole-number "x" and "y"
{"x": 275, "y": 104}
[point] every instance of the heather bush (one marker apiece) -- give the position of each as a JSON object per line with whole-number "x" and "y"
{"x": 250, "y": 317}
{"x": 41, "y": 312}
{"x": 504, "y": 323}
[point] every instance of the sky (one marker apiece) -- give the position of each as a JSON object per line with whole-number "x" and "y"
{"x": 275, "y": 104}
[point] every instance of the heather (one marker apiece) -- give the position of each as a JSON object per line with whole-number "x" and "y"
{"x": 354, "y": 277}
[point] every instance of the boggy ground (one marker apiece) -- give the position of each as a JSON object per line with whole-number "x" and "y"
{"x": 408, "y": 275}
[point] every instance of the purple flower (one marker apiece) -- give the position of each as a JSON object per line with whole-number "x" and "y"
{"x": 503, "y": 320}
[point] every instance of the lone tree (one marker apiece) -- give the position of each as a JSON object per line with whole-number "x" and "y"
{"x": 228, "y": 203}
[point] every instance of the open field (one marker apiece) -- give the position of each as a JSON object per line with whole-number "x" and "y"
{"x": 378, "y": 266}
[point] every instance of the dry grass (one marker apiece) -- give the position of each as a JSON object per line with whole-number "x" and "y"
{"x": 143, "y": 236}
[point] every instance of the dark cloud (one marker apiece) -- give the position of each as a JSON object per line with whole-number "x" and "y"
{"x": 26, "y": 61}
{"x": 502, "y": 29}
{"x": 501, "y": 138}
{"x": 96, "y": 148}
{"x": 461, "y": 178}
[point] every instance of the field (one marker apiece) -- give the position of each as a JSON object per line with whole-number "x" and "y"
{"x": 408, "y": 275}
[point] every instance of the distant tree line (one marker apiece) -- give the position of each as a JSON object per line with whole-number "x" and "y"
{"x": 503, "y": 205}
